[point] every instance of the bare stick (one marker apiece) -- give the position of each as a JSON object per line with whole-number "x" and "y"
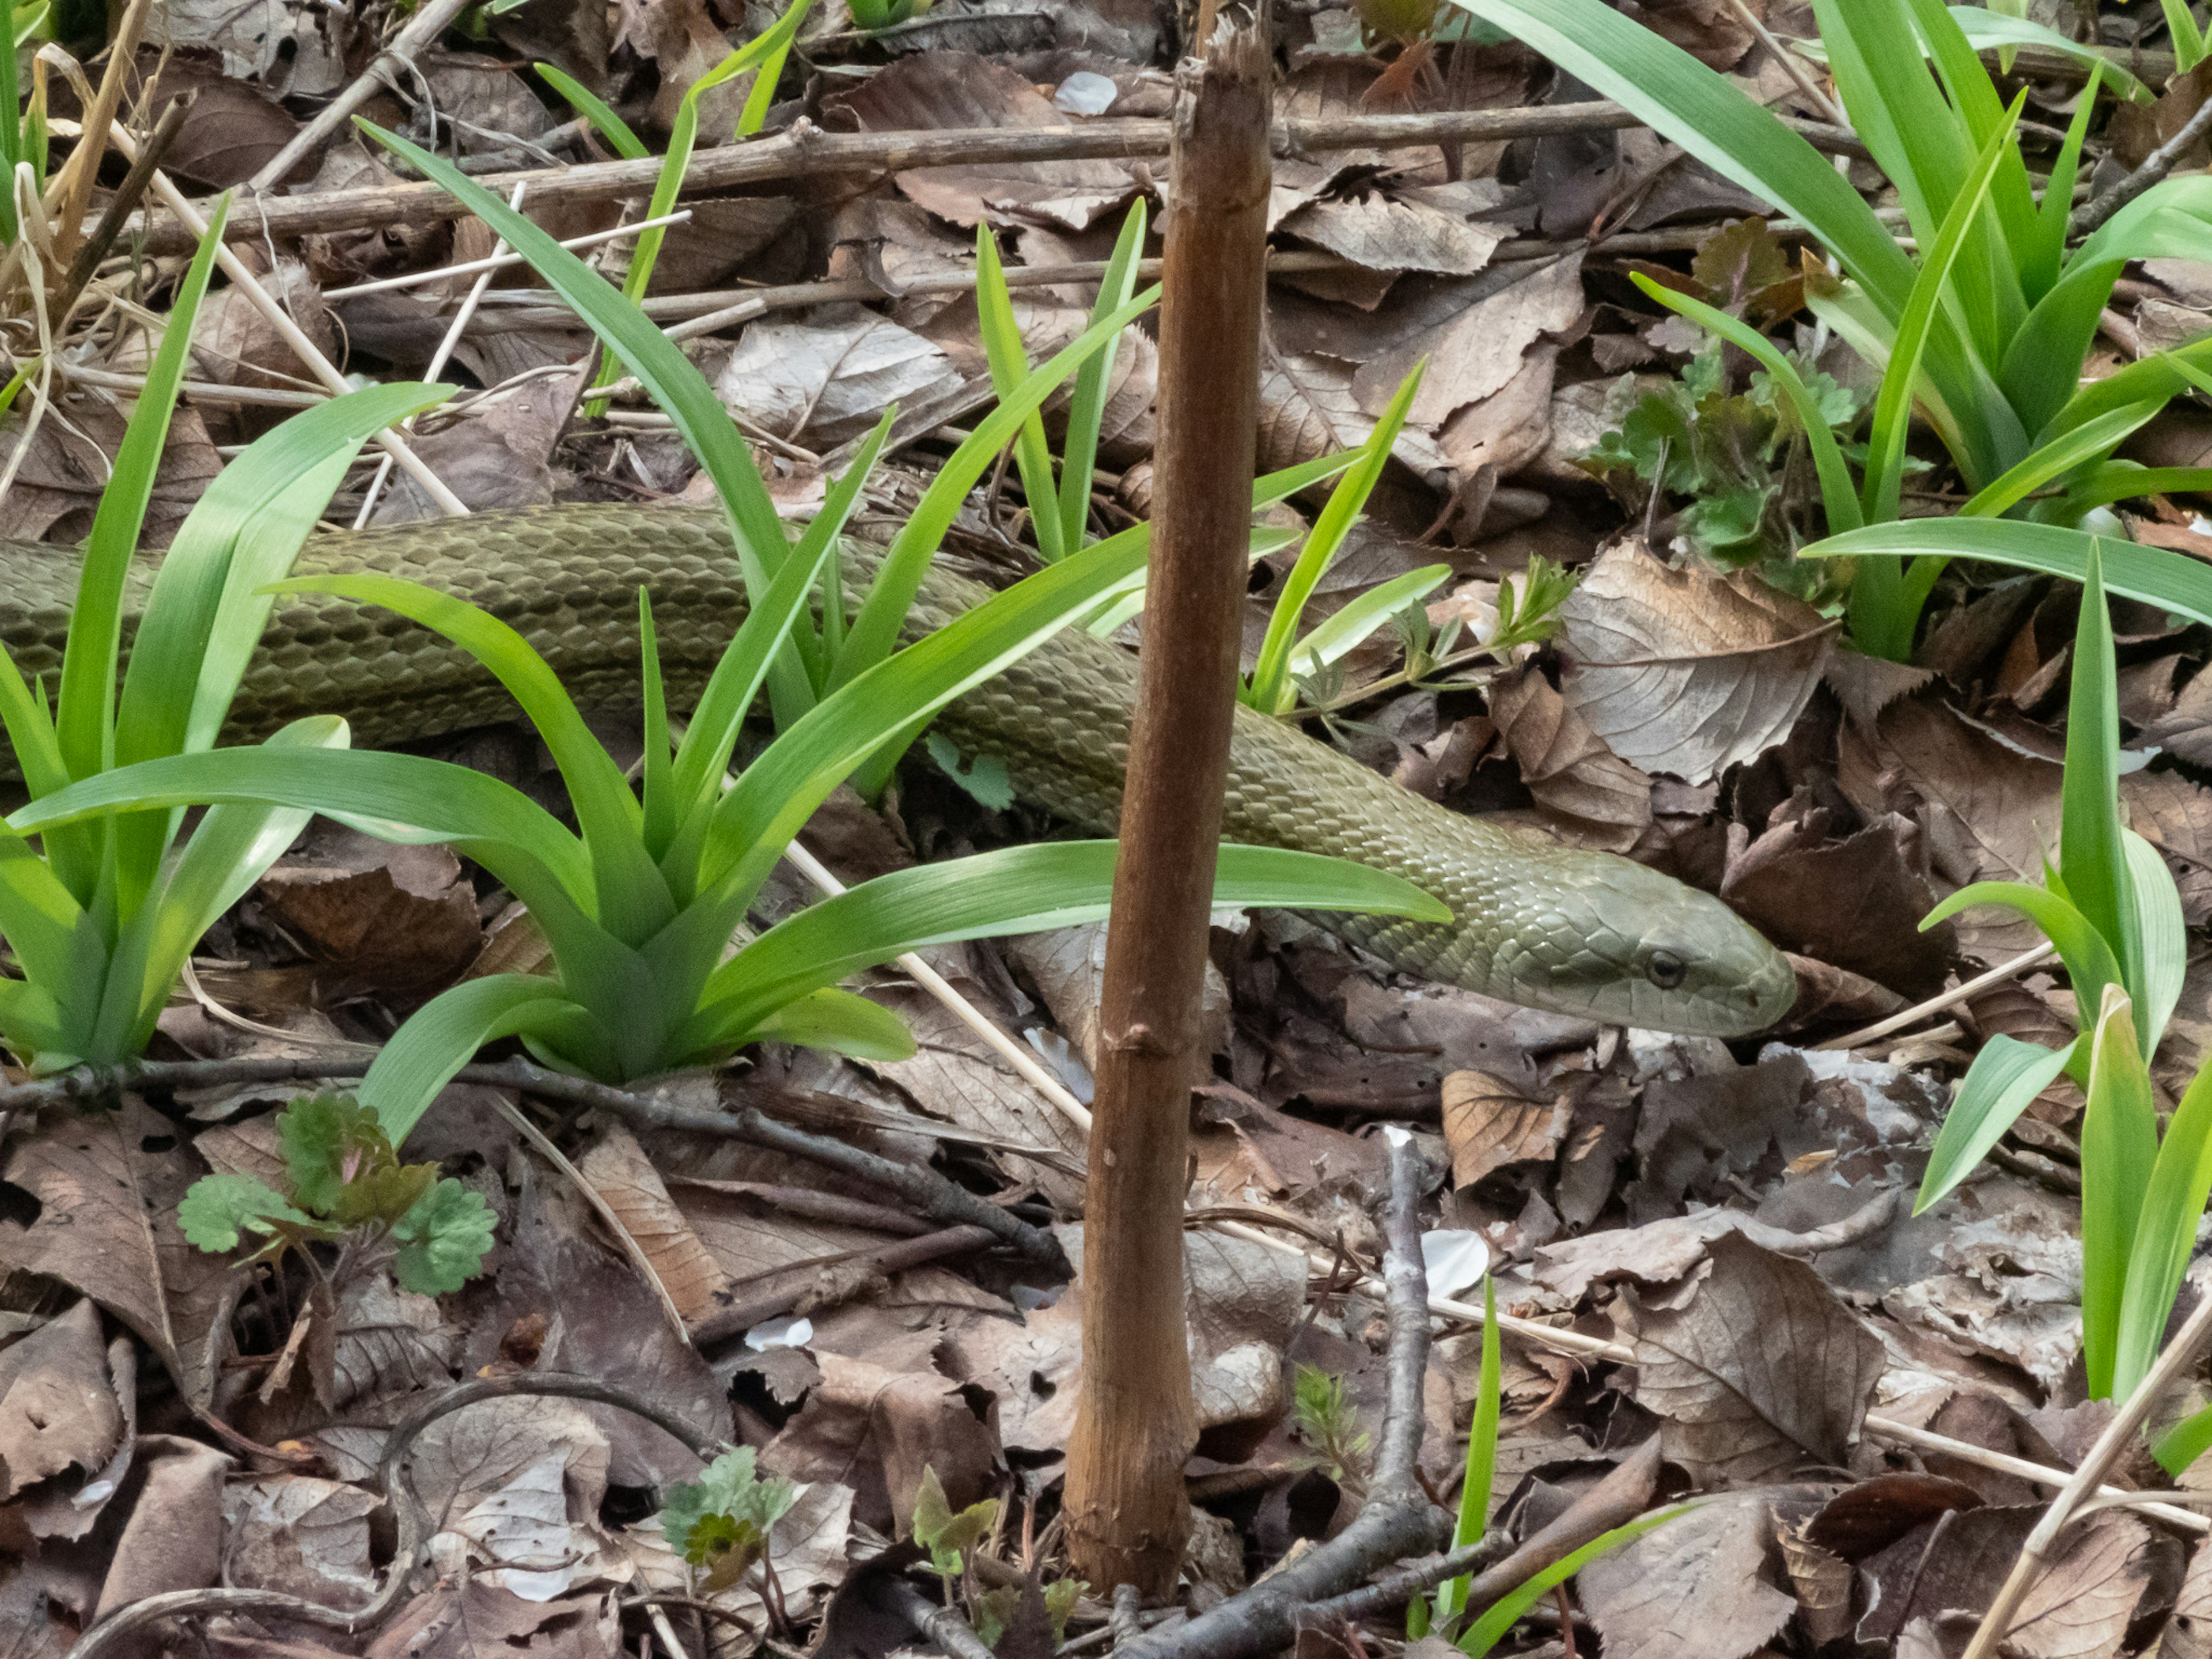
{"x": 70, "y": 193}
{"x": 1398, "y": 1519}
{"x": 2118, "y": 1436}
{"x": 2159, "y": 162}
{"x": 287, "y": 331}
{"x": 498, "y": 261}
{"x": 124, "y": 202}
{"x": 739, "y": 1318}
{"x": 804, "y": 150}
{"x": 1937, "y": 1003}
{"x": 1127, "y": 1514}
{"x": 426, "y": 25}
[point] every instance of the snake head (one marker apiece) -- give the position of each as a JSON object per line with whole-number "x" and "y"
{"x": 1646, "y": 950}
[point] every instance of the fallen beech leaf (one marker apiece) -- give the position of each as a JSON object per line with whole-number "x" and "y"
{"x": 1477, "y": 351}
{"x": 107, "y": 1187}
{"x": 1384, "y": 234}
{"x": 1307, "y": 409}
{"x": 1591, "y": 795}
{"x": 1693, "y": 1587}
{"x": 1763, "y": 1370}
{"x": 942, "y": 88}
{"x": 620, "y": 1172}
{"x": 1685, "y": 672}
{"x": 58, "y": 1410}
{"x": 304, "y": 1535}
{"x": 1489, "y": 1124}
{"x": 480, "y": 1621}
{"x": 1855, "y": 903}
{"x": 828, "y": 377}
{"x": 2079, "y": 1607}
{"x": 879, "y": 1429}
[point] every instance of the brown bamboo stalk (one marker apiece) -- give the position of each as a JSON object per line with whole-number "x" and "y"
{"x": 1127, "y": 1514}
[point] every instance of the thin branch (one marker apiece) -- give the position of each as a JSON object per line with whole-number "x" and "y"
{"x": 425, "y": 27}
{"x": 1398, "y": 1521}
{"x": 739, "y": 1318}
{"x": 124, "y": 201}
{"x": 803, "y": 150}
{"x": 2155, "y": 167}
{"x": 1937, "y": 1003}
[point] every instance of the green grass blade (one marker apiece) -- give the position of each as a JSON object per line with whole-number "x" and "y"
{"x": 898, "y": 579}
{"x": 31, "y": 734}
{"x": 39, "y": 918}
{"x": 1009, "y": 364}
{"x": 1893, "y": 408}
{"x": 2006, "y": 1076}
{"x": 1345, "y": 630}
{"x": 2091, "y": 856}
{"x": 1508, "y": 1611}
{"x": 605, "y": 121}
{"x": 444, "y": 1034}
{"x": 2180, "y": 584}
{"x": 1974, "y": 95}
{"x": 838, "y": 506}
{"x": 2125, "y": 480}
{"x": 1838, "y": 498}
{"x": 84, "y": 718}
{"x": 231, "y": 848}
{"x": 2188, "y": 38}
{"x": 1916, "y": 137}
{"x": 2157, "y": 923}
{"x": 1481, "y": 1457}
{"x": 841, "y": 1023}
{"x": 1269, "y": 689}
{"x": 2046, "y": 252}
{"x": 633, "y": 899}
{"x": 2061, "y": 455}
{"x": 1015, "y": 890}
{"x": 1714, "y": 121}
{"x": 1086, "y": 409}
{"x": 2090, "y": 962}
{"x": 368, "y": 786}
{"x": 2185, "y": 1442}
{"x": 2166, "y": 1234}
{"x": 1986, "y": 31}
{"x": 661, "y": 812}
{"x": 674, "y": 383}
{"x": 2119, "y": 1154}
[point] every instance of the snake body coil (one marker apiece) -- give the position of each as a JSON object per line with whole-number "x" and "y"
{"x": 1536, "y": 923}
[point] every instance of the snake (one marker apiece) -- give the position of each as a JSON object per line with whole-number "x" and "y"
{"x": 1535, "y": 922}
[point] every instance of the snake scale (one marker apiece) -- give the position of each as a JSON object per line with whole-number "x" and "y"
{"x": 1546, "y": 926}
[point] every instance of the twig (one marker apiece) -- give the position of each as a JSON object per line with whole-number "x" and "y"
{"x": 2118, "y": 1436}
{"x": 422, "y": 29}
{"x": 2155, "y": 165}
{"x": 940, "y": 1625}
{"x": 305, "y": 349}
{"x": 498, "y": 261}
{"x": 919, "y": 1187}
{"x": 1398, "y": 1520}
{"x": 1408, "y": 1579}
{"x": 124, "y": 202}
{"x": 804, "y": 150}
{"x": 1792, "y": 66}
{"x": 739, "y": 1318}
{"x": 399, "y": 1490}
{"x": 70, "y": 193}
{"x": 1937, "y": 1003}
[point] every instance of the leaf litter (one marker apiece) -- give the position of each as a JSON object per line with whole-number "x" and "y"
{"x": 1719, "y": 1231}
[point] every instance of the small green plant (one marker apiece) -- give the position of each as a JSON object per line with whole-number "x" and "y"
{"x": 720, "y": 1523}
{"x": 1446, "y": 1616}
{"x": 1986, "y": 333}
{"x": 2111, "y": 908}
{"x": 998, "y": 1610}
{"x": 948, "y": 1536}
{"x": 765, "y": 52}
{"x": 1729, "y": 454}
{"x": 344, "y": 1185}
{"x": 1321, "y": 1416}
{"x": 1059, "y": 512}
{"x": 869, "y": 17}
{"x": 102, "y": 916}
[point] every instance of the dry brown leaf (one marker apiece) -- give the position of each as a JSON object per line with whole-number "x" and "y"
{"x": 1307, "y": 409}
{"x": 234, "y": 345}
{"x": 304, "y": 1535}
{"x": 387, "y": 921}
{"x": 478, "y": 1620}
{"x": 1591, "y": 795}
{"x": 1384, "y": 234}
{"x": 1477, "y": 352}
{"x": 620, "y": 1173}
{"x": 1764, "y": 1370}
{"x": 107, "y": 1188}
{"x": 1695, "y": 1587}
{"x": 233, "y": 128}
{"x": 58, "y": 1410}
{"x": 70, "y": 460}
{"x": 1855, "y": 903}
{"x": 2078, "y": 1608}
{"x": 944, "y": 88}
{"x": 828, "y": 376}
{"x": 1685, "y": 672}
{"x": 2188, "y": 1634}
{"x": 876, "y": 1430}
{"x": 1489, "y": 1124}
{"x": 289, "y": 48}
{"x": 167, "y": 1542}
{"x": 502, "y": 455}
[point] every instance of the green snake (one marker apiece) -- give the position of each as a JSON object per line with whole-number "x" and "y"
{"x": 1536, "y": 923}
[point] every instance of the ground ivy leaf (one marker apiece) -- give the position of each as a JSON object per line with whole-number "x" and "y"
{"x": 220, "y": 1209}
{"x": 442, "y": 1240}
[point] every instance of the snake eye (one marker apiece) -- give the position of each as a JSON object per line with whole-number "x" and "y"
{"x": 1666, "y": 970}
